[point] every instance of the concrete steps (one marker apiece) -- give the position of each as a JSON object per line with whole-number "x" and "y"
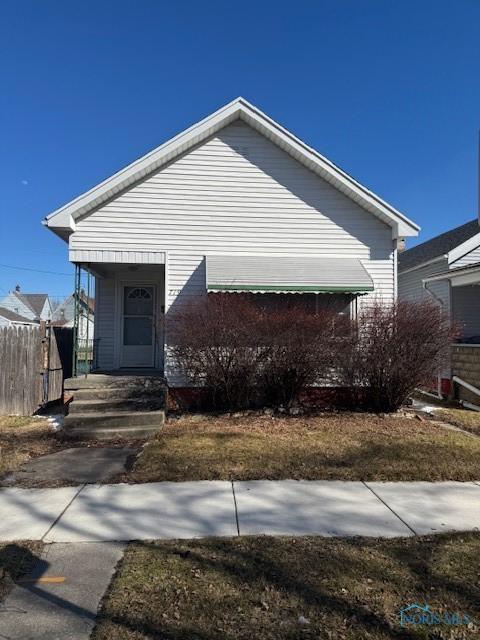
{"x": 107, "y": 393}
{"x": 80, "y": 406}
{"x": 114, "y": 406}
{"x": 105, "y": 381}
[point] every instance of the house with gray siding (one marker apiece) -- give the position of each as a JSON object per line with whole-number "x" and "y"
{"x": 436, "y": 269}
{"x": 447, "y": 269}
{"x": 234, "y": 203}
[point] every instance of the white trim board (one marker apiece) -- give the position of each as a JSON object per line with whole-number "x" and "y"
{"x": 62, "y": 221}
{"x": 464, "y": 248}
{"x": 98, "y": 256}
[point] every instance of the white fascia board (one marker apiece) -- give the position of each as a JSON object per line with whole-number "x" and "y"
{"x": 401, "y": 225}
{"x": 143, "y": 166}
{"x": 239, "y": 108}
{"x": 462, "y": 280}
{"x": 458, "y": 277}
{"x": 464, "y": 248}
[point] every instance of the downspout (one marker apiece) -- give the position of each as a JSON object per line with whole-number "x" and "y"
{"x": 442, "y": 304}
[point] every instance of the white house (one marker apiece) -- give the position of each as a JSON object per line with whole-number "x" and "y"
{"x": 234, "y": 203}
{"x": 32, "y": 306}
{"x": 9, "y": 318}
{"x": 63, "y": 315}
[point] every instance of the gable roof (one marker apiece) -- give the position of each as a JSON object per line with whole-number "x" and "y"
{"x": 34, "y": 301}
{"x": 65, "y": 310}
{"x": 62, "y": 221}
{"x": 439, "y": 246}
{"x": 12, "y": 316}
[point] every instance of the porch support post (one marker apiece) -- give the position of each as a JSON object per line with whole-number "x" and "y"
{"x": 76, "y": 310}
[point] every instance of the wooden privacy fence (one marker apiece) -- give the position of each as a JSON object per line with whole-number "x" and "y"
{"x": 30, "y": 369}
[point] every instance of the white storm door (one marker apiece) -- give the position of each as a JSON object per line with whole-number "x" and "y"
{"x": 138, "y": 326}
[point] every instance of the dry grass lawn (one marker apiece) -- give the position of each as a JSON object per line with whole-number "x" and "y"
{"x": 16, "y": 559}
{"x": 22, "y": 439}
{"x": 330, "y": 446}
{"x": 463, "y": 418}
{"x": 263, "y": 588}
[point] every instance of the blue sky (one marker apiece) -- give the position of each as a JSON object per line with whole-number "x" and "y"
{"x": 388, "y": 90}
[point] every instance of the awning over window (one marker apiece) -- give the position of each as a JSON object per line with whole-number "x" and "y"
{"x": 259, "y": 274}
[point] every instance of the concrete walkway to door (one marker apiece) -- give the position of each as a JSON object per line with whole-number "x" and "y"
{"x": 122, "y": 512}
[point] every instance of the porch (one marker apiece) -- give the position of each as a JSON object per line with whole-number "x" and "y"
{"x": 129, "y": 310}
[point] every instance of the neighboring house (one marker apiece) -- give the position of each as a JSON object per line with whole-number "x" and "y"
{"x": 10, "y": 318}
{"x": 447, "y": 269}
{"x": 63, "y": 315}
{"x": 234, "y": 203}
{"x": 33, "y": 306}
{"x": 441, "y": 268}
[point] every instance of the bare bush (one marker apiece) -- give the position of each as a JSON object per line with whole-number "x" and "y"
{"x": 297, "y": 352}
{"x": 245, "y": 353}
{"x": 393, "y": 348}
{"x": 211, "y": 340}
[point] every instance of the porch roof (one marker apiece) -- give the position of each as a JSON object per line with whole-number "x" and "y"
{"x": 459, "y": 277}
{"x": 262, "y": 274}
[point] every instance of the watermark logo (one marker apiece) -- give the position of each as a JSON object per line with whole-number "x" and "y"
{"x": 416, "y": 614}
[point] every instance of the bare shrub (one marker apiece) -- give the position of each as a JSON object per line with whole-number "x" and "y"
{"x": 211, "y": 340}
{"x": 297, "y": 352}
{"x": 393, "y": 348}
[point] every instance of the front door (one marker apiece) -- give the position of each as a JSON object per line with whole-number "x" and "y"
{"x": 138, "y": 326}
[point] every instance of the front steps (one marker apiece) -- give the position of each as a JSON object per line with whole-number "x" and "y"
{"x": 111, "y": 406}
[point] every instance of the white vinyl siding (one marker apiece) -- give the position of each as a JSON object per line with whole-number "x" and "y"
{"x": 237, "y": 193}
{"x": 13, "y": 303}
{"x": 471, "y": 257}
{"x": 46, "y": 313}
{"x": 105, "y": 322}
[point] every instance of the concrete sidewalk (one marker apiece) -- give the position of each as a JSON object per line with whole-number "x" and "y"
{"x": 59, "y": 599}
{"x": 122, "y": 512}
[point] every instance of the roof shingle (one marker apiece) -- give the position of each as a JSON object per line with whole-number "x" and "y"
{"x": 33, "y": 300}
{"x": 438, "y": 246}
{"x": 11, "y": 315}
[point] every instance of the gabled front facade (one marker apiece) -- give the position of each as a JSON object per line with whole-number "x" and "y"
{"x": 32, "y": 306}
{"x": 235, "y": 203}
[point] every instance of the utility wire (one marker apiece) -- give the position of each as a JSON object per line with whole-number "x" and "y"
{"x": 54, "y": 273}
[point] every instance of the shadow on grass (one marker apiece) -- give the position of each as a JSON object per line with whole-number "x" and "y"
{"x": 256, "y": 588}
{"x": 240, "y": 456}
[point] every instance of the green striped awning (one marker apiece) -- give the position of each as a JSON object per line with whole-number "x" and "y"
{"x": 261, "y": 274}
